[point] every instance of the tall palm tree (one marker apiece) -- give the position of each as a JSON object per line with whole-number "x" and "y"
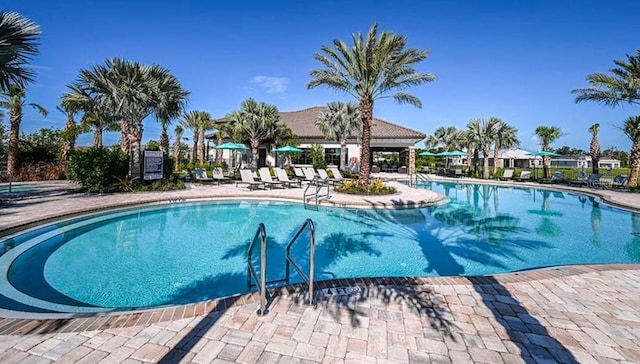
{"x": 192, "y": 120}
{"x": 631, "y": 129}
{"x": 506, "y": 137}
{"x": 177, "y": 146}
{"x": 70, "y": 108}
{"x": 256, "y": 122}
{"x": 98, "y": 120}
{"x": 204, "y": 121}
{"x": 134, "y": 91}
{"x": 594, "y": 148}
{"x": 18, "y": 44}
{"x": 14, "y": 101}
{"x": 338, "y": 123}
{"x": 373, "y": 67}
{"x": 620, "y": 87}
{"x": 483, "y": 133}
{"x": 223, "y": 130}
{"x": 448, "y": 138}
{"x": 547, "y": 135}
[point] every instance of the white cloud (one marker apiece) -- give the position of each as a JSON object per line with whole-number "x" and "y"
{"x": 274, "y": 85}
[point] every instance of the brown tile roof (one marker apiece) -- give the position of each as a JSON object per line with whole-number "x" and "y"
{"x": 303, "y": 124}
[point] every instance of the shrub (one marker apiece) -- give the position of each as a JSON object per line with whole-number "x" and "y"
{"x": 41, "y": 171}
{"x": 316, "y": 152}
{"x": 377, "y": 187}
{"x": 99, "y": 170}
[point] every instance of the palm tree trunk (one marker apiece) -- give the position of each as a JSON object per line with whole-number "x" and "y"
{"x": 485, "y": 163}
{"x": 134, "y": 139}
{"x": 164, "y": 139}
{"x": 15, "y": 117}
{"x": 545, "y": 166}
{"x": 97, "y": 138}
{"x": 219, "y": 151}
{"x": 124, "y": 132}
{"x": 69, "y": 141}
{"x": 176, "y": 153}
{"x": 343, "y": 155}
{"x": 194, "y": 152}
{"x": 201, "y": 146}
{"x": 366, "y": 111}
{"x": 496, "y": 155}
{"x": 255, "y": 143}
{"x": 634, "y": 159}
{"x": 469, "y": 158}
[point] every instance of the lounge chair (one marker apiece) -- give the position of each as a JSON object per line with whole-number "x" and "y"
{"x": 507, "y": 174}
{"x": 309, "y": 174}
{"x": 337, "y": 175}
{"x": 557, "y": 177}
{"x": 265, "y": 176}
{"x": 620, "y": 181}
{"x": 201, "y": 175}
{"x": 325, "y": 177}
{"x": 218, "y": 175}
{"x": 593, "y": 179}
{"x": 284, "y": 178}
{"x": 299, "y": 173}
{"x": 525, "y": 176}
{"x": 581, "y": 178}
{"x": 247, "y": 178}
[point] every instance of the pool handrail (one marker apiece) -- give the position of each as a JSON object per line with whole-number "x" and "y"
{"x": 308, "y": 224}
{"x": 261, "y": 282}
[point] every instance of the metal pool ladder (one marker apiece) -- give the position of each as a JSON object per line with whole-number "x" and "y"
{"x": 261, "y": 280}
{"x": 413, "y": 179}
{"x": 318, "y": 183}
{"x": 309, "y": 279}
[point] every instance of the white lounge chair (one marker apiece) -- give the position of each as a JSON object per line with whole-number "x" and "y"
{"x": 201, "y": 175}
{"x": 218, "y": 175}
{"x": 337, "y": 175}
{"x": 325, "y": 177}
{"x": 593, "y": 179}
{"x": 265, "y": 177}
{"x": 309, "y": 174}
{"x": 247, "y": 178}
{"x": 620, "y": 181}
{"x": 284, "y": 178}
{"x": 525, "y": 176}
{"x": 507, "y": 174}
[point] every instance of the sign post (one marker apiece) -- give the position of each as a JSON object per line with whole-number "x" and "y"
{"x": 152, "y": 165}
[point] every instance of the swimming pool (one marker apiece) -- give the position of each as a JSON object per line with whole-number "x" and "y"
{"x": 25, "y": 187}
{"x": 188, "y": 252}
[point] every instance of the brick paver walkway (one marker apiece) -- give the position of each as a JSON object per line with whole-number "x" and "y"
{"x": 572, "y": 314}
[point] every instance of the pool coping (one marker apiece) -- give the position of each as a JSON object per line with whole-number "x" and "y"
{"x": 65, "y": 323}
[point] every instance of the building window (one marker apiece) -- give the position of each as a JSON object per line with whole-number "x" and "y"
{"x": 332, "y": 156}
{"x": 302, "y": 158}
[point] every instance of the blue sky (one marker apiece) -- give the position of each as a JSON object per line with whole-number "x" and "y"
{"x": 517, "y": 60}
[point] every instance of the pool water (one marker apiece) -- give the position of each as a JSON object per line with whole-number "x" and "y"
{"x": 189, "y": 252}
{"x": 24, "y": 187}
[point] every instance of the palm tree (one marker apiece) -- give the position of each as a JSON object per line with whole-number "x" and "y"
{"x": 448, "y": 138}
{"x": 223, "y": 130}
{"x": 506, "y": 137}
{"x": 547, "y": 135}
{"x": 14, "y": 101}
{"x": 134, "y": 91}
{"x": 98, "y": 120}
{"x": 373, "y": 67}
{"x": 18, "y": 44}
{"x": 177, "y": 146}
{"x": 594, "y": 148}
{"x": 255, "y": 122}
{"x": 483, "y": 133}
{"x": 631, "y": 129}
{"x": 192, "y": 121}
{"x": 621, "y": 87}
{"x": 338, "y": 123}
{"x": 70, "y": 108}
{"x": 204, "y": 124}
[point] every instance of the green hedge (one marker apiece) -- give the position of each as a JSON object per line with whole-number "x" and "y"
{"x": 98, "y": 169}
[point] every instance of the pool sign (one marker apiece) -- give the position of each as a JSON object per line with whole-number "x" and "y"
{"x": 152, "y": 165}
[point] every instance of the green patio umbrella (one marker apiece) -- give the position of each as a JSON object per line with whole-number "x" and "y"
{"x": 231, "y": 146}
{"x": 288, "y": 149}
{"x": 455, "y": 153}
{"x": 426, "y": 154}
{"x": 541, "y": 153}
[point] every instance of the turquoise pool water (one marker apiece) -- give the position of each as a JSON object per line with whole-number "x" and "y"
{"x": 188, "y": 252}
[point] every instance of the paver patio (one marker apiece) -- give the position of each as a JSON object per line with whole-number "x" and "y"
{"x": 585, "y": 314}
